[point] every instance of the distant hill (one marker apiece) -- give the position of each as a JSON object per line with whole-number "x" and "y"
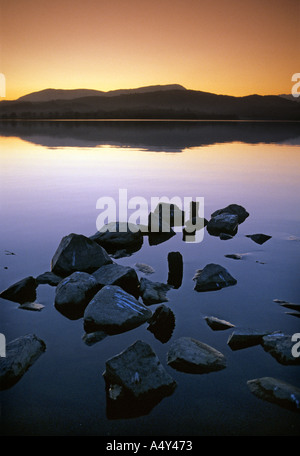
{"x": 153, "y": 102}
{"x": 69, "y": 94}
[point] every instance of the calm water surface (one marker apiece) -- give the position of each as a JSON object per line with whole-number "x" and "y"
{"x": 51, "y": 178}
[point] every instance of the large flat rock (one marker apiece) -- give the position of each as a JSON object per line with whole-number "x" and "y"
{"x": 139, "y": 371}
{"x": 113, "y": 310}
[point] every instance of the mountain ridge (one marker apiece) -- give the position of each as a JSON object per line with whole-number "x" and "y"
{"x": 151, "y": 102}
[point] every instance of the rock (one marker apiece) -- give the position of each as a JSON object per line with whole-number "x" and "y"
{"x": 73, "y": 294}
{"x": 259, "y": 238}
{"x": 162, "y": 323}
{"x": 175, "y": 265}
{"x": 116, "y": 274}
{"x": 78, "y": 253}
{"x": 243, "y": 338}
{"x": 213, "y": 277}
{"x": 139, "y": 371}
{"x": 48, "y": 278}
{"x": 192, "y": 356}
{"x": 136, "y": 382}
{"x": 113, "y": 311}
{"x": 144, "y": 268}
{"x": 276, "y": 391}
{"x": 153, "y": 292}
{"x": 31, "y": 306}
{"x": 119, "y": 238}
{"x": 217, "y": 324}
{"x": 280, "y": 346}
{"x": 22, "y": 291}
{"x": 223, "y": 223}
{"x": 234, "y": 256}
{"x": 293, "y": 314}
{"x": 21, "y": 353}
{"x": 235, "y": 209}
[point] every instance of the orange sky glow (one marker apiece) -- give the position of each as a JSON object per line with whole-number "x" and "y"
{"x": 232, "y": 47}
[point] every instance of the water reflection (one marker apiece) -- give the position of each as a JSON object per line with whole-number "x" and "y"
{"x": 159, "y": 136}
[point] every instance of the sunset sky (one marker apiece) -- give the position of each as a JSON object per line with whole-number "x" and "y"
{"x": 233, "y": 47}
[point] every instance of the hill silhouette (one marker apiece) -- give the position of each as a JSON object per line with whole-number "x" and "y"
{"x": 153, "y": 102}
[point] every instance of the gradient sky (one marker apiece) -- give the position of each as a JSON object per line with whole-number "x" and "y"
{"x": 233, "y": 47}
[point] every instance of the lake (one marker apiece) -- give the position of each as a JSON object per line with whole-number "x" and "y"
{"x": 52, "y": 175}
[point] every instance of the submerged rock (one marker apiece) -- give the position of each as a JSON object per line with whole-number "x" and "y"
{"x": 192, "y": 356}
{"x": 113, "y": 311}
{"x": 276, "y": 391}
{"x": 144, "y": 268}
{"x": 73, "y": 294}
{"x": 280, "y": 347}
{"x": 175, "y": 264}
{"x": 213, "y": 277}
{"x": 234, "y": 209}
{"x": 76, "y": 252}
{"x": 32, "y": 306}
{"x": 21, "y": 353}
{"x": 234, "y": 256}
{"x": 218, "y": 324}
{"x": 22, "y": 291}
{"x": 259, "y": 238}
{"x": 162, "y": 323}
{"x": 119, "y": 237}
{"x": 136, "y": 382}
{"x": 153, "y": 292}
{"x": 117, "y": 274}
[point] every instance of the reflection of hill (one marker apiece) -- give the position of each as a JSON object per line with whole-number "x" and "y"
{"x": 154, "y": 136}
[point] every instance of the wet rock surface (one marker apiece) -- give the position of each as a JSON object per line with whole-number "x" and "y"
{"x": 192, "y": 356}
{"x": 280, "y": 346}
{"x": 218, "y": 324}
{"x": 117, "y": 274}
{"x": 234, "y": 209}
{"x": 277, "y": 391}
{"x": 113, "y": 311}
{"x": 21, "y": 291}
{"x": 213, "y": 277}
{"x": 153, "y": 292}
{"x": 76, "y": 252}
{"x": 223, "y": 223}
{"x": 48, "y": 278}
{"x": 119, "y": 237}
{"x": 21, "y": 353}
{"x": 73, "y": 294}
{"x": 139, "y": 371}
